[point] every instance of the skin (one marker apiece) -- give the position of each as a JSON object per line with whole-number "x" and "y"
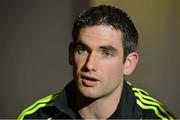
{"x": 98, "y": 69}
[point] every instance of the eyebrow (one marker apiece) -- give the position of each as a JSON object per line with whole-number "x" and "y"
{"x": 103, "y": 47}
{"x": 80, "y": 43}
{"x": 108, "y": 48}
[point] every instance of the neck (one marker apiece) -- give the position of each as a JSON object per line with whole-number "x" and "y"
{"x": 100, "y": 108}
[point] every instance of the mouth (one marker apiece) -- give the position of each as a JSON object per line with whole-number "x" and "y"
{"x": 89, "y": 81}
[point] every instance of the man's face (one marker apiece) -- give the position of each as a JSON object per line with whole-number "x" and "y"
{"x": 98, "y": 61}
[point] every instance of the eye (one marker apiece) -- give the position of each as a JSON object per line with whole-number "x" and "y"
{"x": 107, "y": 53}
{"x": 81, "y": 50}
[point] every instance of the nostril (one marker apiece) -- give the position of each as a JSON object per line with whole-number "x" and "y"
{"x": 85, "y": 69}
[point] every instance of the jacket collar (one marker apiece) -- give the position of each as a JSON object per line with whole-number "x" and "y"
{"x": 127, "y": 107}
{"x": 65, "y": 101}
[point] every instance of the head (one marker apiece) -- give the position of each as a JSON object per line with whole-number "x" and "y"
{"x": 109, "y": 16}
{"x": 103, "y": 50}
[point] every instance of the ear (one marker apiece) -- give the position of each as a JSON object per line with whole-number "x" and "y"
{"x": 71, "y": 50}
{"x": 130, "y": 63}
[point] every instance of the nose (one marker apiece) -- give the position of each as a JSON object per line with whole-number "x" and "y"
{"x": 91, "y": 62}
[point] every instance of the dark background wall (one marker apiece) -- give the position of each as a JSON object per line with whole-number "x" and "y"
{"x": 34, "y": 38}
{"x": 34, "y": 48}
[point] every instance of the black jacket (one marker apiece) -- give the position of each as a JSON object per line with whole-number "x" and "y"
{"x": 135, "y": 103}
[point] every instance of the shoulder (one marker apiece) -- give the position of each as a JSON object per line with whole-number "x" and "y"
{"x": 35, "y": 109}
{"x": 151, "y": 108}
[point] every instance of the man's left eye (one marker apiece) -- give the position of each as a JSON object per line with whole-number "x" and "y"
{"x": 107, "y": 53}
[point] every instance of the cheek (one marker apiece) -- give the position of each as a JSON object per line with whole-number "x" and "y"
{"x": 114, "y": 70}
{"x": 78, "y": 63}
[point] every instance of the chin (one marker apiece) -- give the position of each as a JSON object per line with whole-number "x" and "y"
{"x": 88, "y": 92}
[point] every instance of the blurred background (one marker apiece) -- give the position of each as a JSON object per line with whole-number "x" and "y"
{"x": 34, "y": 38}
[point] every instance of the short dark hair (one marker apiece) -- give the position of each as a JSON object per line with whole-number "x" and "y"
{"x": 108, "y": 15}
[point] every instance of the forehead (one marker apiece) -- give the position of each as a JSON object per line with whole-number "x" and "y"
{"x": 101, "y": 35}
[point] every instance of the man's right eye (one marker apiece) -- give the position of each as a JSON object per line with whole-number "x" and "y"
{"x": 81, "y": 50}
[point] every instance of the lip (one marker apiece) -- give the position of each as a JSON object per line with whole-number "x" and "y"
{"x": 89, "y": 81}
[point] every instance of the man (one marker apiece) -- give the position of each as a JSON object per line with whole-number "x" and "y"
{"x": 103, "y": 51}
